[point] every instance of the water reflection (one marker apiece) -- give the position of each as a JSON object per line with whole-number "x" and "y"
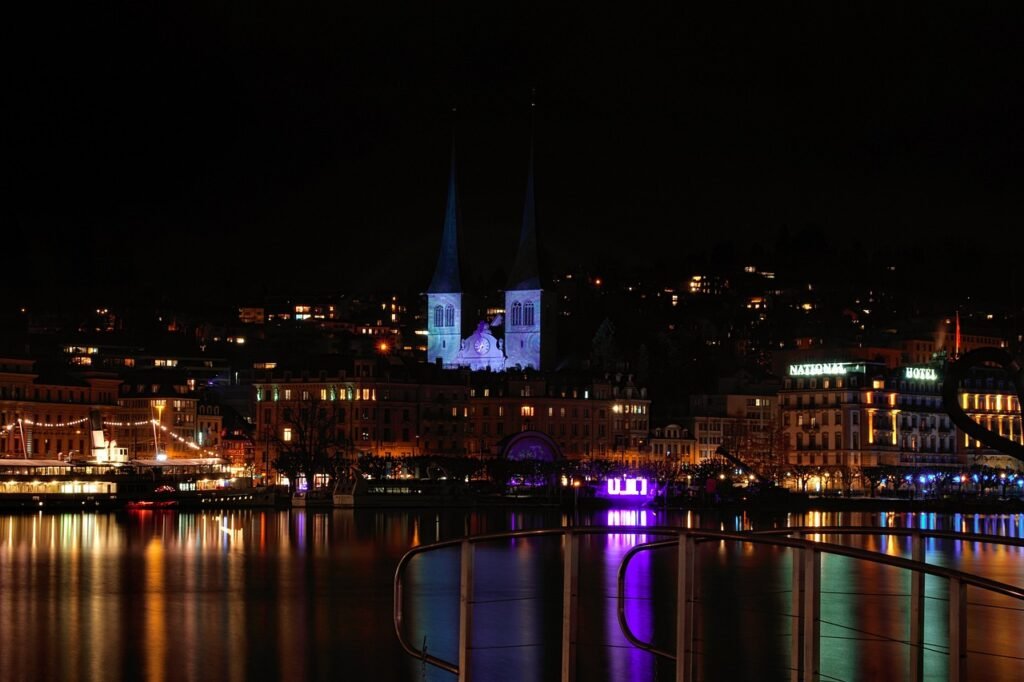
{"x": 303, "y": 595}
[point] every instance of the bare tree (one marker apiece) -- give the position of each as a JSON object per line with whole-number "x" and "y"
{"x": 314, "y": 445}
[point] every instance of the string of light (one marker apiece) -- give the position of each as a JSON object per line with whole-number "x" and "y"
{"x": 188, "y": 443}
{"x": 23, "y": 421}
{"x": 46, "y": 425}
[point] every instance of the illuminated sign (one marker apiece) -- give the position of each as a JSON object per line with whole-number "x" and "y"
{"x": 631, "y": 487}
{"x": 921, "y": 373}
{"x": 824, "y": 369}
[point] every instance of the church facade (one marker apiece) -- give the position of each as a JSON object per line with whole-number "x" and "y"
{"x": 523, "y": 337}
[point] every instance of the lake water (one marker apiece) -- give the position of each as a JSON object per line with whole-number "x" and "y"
{"x": 300, "y": 595}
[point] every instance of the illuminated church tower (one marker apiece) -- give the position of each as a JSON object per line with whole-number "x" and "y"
{"x": 444, "y": 296}
{"x": 528, "y": 308}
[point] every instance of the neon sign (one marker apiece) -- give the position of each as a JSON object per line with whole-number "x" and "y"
{"x": 921, "y": 373}
{"x": 824, "y": 369}
{"x": 631, "y": 487}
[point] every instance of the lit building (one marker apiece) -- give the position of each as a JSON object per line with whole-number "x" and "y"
{"x": 708, "y": 285}
{"x": 674, "y": 445}
{"x": 379, "y": 406}
{"x": 844, "y": 416}
{"x": 745, "y": 425}
{"x": 159, "y": 414}
{"x": 387, "y": 407}
{"x": 522, "y": 337}
{"x": 47, "y": 418}
{"x": 988, "y": 398}
{"x": 586, "y": 417}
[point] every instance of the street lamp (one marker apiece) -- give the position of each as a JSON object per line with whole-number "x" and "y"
{"x": 382, "y": 350}
{"x": 159, "y": 405}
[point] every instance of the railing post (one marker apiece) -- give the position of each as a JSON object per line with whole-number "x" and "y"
{"x": 812, "y": 614}
{"x": 957, "y": 630}
{"x": 917, "y": 579}
{"x": 684, "y": 607}
{"x": 570, "y": 598}
{"x": 797, "y": 607}
{"x": 465, "y": 609}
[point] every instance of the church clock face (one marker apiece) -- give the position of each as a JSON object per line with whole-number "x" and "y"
{"x": 481, "y": 346}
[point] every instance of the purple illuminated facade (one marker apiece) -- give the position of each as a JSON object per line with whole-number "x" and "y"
{"x": 627, "y": 490}
{"x": 512, "y": 340}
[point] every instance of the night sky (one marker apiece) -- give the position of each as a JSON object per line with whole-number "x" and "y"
{"x": 245, "y": 147}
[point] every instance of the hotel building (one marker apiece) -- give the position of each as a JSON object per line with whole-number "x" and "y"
{"x": 845, "y": 415}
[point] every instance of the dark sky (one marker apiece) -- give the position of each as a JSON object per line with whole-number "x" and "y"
{"x": 242, "y": 146}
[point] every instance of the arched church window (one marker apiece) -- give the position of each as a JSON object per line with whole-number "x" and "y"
{"x": 517, "y": 314}
{"x": 449, "y": 316}
{"x": 528, "y": 314}
{"x": 439, "y": 316}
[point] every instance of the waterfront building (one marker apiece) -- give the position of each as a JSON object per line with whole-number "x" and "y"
{"x": 381, "y": 406}
{"x": 386, "y": 406}
{"x": 45, "y": 416}
{"x": 158, "y": 416}
{"x": 839, "y": 418}
{"x": 588, "y": 417}
{"x": 673, "y": 445}
{"x": 745, "y": 424}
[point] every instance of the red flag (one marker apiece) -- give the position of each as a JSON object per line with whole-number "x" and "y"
{"x": 956, "y": 354}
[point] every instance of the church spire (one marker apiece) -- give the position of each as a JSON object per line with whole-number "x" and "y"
{"x": 526, "y": 271}
{"x": 447, "y": 278}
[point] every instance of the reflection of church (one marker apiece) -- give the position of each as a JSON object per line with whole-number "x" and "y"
{"x": 505, "y": 342}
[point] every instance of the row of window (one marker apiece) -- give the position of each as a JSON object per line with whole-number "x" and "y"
{"x": 444, "y": 316}
{"x": 46, "y": 446}
{"x": 16, "y": 393}
{"x": 523, "y": 314}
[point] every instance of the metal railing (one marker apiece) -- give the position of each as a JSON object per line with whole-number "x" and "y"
{"x": 806, "y": 591}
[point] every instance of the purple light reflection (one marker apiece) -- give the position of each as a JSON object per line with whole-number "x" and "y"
{"x": 627, "y": 662}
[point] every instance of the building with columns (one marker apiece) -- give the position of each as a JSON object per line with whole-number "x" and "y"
{"x": 851, "y": 415}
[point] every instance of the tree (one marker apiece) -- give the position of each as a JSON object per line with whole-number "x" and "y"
{"x": 311, "y": 444}
{"x": 874, "y": 476}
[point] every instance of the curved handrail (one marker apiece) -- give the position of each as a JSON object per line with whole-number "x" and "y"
{"x": 407, "y": 557}
{"x": 627, "y": 632}
{"x": 904, "y": 532}
{"x": 477, "y": 539}
{"x": 825, "y": 547}
{"x": 769, "y": 537}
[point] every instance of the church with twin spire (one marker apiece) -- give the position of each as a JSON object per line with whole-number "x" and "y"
{"x": 521, "y": 338}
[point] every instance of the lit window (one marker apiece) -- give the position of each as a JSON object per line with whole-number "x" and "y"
{"x": 287, "y": 437}
{"x": 526, "y": 411}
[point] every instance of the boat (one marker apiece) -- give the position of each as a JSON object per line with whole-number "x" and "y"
{"x": 361, "y": 492}
{"x": 317, "y": 498}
